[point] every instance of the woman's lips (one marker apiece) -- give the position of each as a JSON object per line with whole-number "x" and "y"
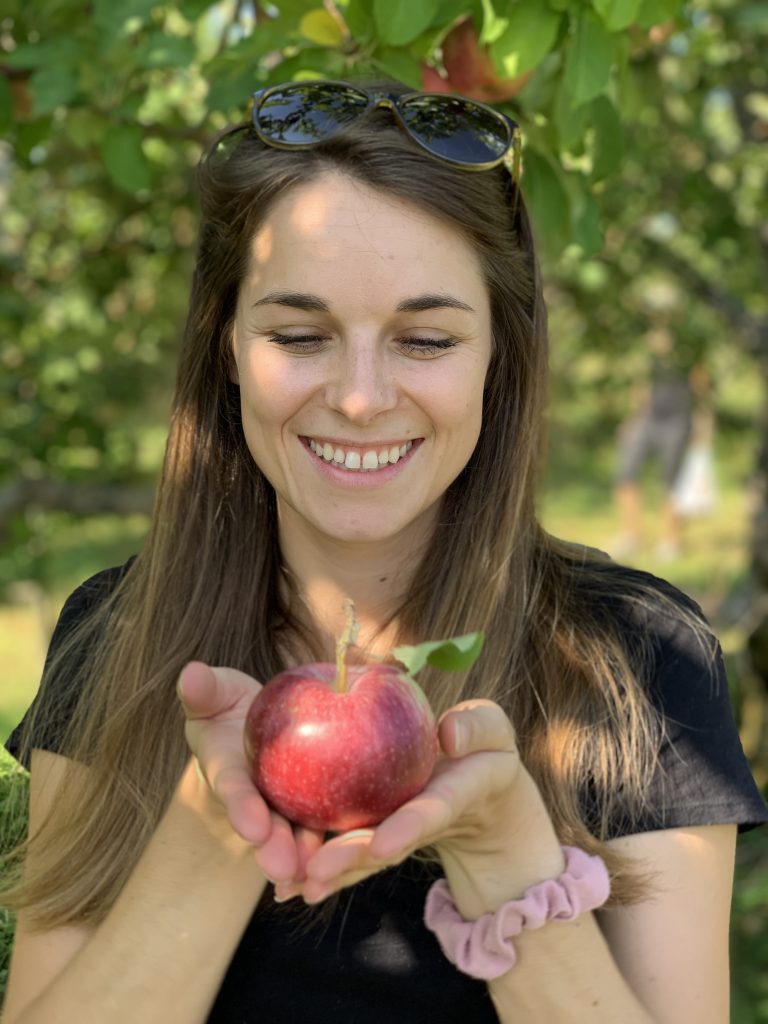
{"x": 353, "y": 467}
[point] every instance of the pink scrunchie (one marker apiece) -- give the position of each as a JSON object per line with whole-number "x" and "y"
{"x": 482, "y": 948}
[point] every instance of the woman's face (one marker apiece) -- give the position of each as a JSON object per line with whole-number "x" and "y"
{"x": 361, "y": 341}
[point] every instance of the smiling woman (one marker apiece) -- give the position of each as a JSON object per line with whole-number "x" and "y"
{"x": 362, "y": 368}
{"x": 358, "y": 414}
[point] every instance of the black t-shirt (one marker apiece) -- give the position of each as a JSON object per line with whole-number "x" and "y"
{"x": 375, "y": 961}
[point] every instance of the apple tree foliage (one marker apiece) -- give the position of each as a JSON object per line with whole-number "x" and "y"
{"x": 644, "y": 165}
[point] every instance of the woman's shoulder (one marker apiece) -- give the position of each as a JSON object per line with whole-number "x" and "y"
{"x": 634, "y": 598}
{"x": 92, "y": 591}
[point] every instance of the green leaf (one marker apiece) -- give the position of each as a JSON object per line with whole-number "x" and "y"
{"x": 570, "y": 123}
{"x": 586, "y": 232}
{"x": 493, "y": 25}
{"x": 292, "y": 10}
{"x": 617, "y": 14}
{"x": 39, "y": 55}
{"x": 529, "y": 36}
{"x": 400, "y": 21}
{"x": 358, "y": 15}
{"x": 320, "y": 27}
{"x": 124, "y": 158}
{"x": 656, "y": 12}
{"x": 454, "y": 655}
{"x": 398, "y": 64}
{"x": 110, "y": 17}
{"x": 547, "y": 199}
{"x": 160, "y": 50}
{"x": 608, "y": 150}
{"x": 193, "y": 9}
{"x": 52, "y": 87}
{"x": 450, "y": 10}
{"x": 589, "y": 60}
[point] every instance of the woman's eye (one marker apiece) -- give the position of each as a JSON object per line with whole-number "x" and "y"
{"x": 427, "y": 346}
{"x": 299, "y": 341}
{"x": 309, "y": 342}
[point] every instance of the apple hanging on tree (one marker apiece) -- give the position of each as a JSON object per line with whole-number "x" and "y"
{"x": 337, "y": 747}
{"x": 469, "y": 69}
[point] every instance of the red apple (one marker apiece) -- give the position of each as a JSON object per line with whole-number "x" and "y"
{"x": 335, "y": 747}
{"x": 470, "y": 67}
{"x": 432, "y": 80}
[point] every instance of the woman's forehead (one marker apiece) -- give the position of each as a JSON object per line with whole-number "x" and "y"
{"x": 336, "y": 232}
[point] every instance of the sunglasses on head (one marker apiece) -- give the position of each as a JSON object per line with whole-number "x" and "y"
{"x": 452, "y": 129}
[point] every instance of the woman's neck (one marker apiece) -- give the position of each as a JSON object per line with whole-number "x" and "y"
{"x": 327, "y": 572}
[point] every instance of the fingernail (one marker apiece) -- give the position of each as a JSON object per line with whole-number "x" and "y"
{"x": 461, "y": 737}
{"x": 357, "y": 833}
{"x": 318, "y": 897}
{"x": 283, "y": 893}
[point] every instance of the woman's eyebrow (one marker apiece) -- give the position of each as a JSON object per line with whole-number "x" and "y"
{"x": 313, "y": 303}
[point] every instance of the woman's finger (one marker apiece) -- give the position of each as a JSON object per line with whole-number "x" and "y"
{"x": 340, "y": 854}
{"x": 206, "y": 692}
{"x": 278, "y": 857}
{"x": 308, "y": 842}
{"x": 475, "y": 725}
{"x": 247, "y": 812}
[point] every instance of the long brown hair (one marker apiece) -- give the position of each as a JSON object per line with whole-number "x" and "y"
{"x": 209, "y": 584}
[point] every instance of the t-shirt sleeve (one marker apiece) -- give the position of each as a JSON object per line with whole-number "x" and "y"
{"x": 703, "y": 776}
{"x": 77, "y": 605}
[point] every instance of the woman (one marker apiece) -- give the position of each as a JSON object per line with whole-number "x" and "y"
{"x": 358, "y": 296}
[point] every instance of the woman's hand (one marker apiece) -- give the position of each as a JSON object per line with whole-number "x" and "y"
{"x": 467, "y": 810}
{"x": 216, "y": 703}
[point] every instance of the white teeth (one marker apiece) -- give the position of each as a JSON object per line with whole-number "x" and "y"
{"x": 370, "y": 460}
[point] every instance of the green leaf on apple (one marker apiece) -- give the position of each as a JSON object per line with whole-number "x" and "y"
{"x": 454, "y": 655}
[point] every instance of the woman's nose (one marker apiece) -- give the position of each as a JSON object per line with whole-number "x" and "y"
{"x": 362, "y": 385}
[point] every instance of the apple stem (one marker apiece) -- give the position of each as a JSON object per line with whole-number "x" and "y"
{"x": 348, "y": 637}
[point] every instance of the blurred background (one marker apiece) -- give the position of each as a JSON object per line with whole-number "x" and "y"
{"x": 645, "y": 166}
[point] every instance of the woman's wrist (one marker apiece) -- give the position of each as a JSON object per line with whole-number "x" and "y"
{"x": 488, "y": 871}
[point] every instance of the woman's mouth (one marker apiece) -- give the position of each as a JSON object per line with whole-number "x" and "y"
{"x": 379, "y": 461}
{"x": 365, "y": 460}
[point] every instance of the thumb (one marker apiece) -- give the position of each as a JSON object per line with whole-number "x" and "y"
{"x": 205, "y": 691}
{"x": 475, "y": 725}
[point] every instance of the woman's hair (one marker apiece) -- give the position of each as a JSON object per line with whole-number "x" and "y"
{"x": 209, "y": 584}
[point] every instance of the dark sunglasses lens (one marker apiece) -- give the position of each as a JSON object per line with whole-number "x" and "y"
{"x": 455, "y": 129}
{"x": 308, "y": 113}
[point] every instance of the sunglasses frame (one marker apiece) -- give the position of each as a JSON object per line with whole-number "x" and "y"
{"x": 510, "y": 158}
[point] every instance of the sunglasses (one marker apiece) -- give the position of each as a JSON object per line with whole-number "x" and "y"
{"x": 452, "y": 129}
